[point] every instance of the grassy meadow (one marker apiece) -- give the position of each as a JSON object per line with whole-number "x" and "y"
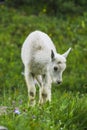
{"x": 68, "y": 109}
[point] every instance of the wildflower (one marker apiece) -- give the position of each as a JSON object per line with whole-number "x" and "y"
{"x": 16, "y": 111}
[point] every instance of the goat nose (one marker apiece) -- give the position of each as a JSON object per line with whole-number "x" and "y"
{"x": 58, "y": 82}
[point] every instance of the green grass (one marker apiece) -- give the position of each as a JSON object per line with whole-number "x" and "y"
{"x": 68, "y": 109}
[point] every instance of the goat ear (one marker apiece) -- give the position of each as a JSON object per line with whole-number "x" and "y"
{"x": 52, "y": 55}
{"x": 66, "y": 53}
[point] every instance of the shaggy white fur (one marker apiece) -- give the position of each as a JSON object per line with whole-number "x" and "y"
{"x": 43, "y": 64}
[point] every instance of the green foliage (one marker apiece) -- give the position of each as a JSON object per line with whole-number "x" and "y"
{"x": 52, "y": 7}
{"x": 68, "y": 109}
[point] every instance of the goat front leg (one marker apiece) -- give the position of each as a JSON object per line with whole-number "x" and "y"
{"x": 45, "y": 90}
{"x": 31, "y": 86}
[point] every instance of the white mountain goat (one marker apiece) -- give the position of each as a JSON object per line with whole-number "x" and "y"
{"x": 43, "y": 64}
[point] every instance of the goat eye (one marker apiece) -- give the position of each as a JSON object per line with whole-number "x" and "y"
{"x": 59, "y": 62}
{"x": 55, "y": 68}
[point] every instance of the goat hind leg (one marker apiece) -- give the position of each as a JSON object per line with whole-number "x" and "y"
{"x": 45, "y": 91}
